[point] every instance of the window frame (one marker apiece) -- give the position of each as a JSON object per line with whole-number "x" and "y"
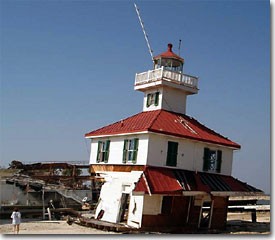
{"x": 210, "y": 164}
{"x": 130, "y": 150}
{"x": 103, "y": 149}
{"x": 152, "y": 99}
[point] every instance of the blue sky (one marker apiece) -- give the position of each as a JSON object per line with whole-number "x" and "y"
{"x": 68, "y": 67}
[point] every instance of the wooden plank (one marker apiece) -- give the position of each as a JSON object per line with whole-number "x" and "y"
{"x": 115, "y": 168}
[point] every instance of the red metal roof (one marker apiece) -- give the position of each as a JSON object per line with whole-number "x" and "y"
{"x": 169, "y": 54}
{"x": 165, "y": 122}
{"x": 160, "y": 180}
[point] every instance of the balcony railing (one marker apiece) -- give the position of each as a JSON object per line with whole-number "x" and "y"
{"x": 161, "y": 74}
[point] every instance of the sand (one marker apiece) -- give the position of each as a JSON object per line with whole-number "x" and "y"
{"x": 49, "y": 227}
{"x": 237, "y": 224}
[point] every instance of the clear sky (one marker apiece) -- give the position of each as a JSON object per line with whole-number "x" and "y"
{"x": 68, "y": 67}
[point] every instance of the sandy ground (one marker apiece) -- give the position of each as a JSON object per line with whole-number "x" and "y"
{"x": 241, "y": 223}
{"x": 49, "y": 227}
{"x": 237, "y": 224}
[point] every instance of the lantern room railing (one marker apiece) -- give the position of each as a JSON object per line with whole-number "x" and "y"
{"x": 163, "y": 74}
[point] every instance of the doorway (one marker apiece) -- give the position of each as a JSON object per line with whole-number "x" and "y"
{"x": 206, "y": 214}
{"x": 124, "y": 206}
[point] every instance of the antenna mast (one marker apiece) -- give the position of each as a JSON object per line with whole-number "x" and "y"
{"x": 179, "y": 46}
{"x": 145, "y": 35}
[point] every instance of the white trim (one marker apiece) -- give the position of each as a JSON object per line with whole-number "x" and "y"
{"x": 188, "y": 211}
{"x": 211, "y": 213}
{"x": 199, "y": 222}
{"x": 114, "y": 135}
{"x": 224, "y": 194}
{"x": 146, "y": 183}
{"x": 194, "y": 193}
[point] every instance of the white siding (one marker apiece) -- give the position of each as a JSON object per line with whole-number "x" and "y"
{"x": 116, "y": 184}
{"x": 143, "y": 204}
{"x": 190, "y": 153}
{"x": 110, "y": 201}
{"x": 152, "y": 107}
{"x": 135, "y": 211}
{"x": 174, "y": 100}
{"x": 169, "y": 99}
{"x": 152, "y": 204}
{"x": 116, "y": 149}
{"x": 152, "y": 151}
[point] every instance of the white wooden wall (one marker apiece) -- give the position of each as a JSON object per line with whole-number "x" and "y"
{"x": 190, "y": 153}
{"x": 153, "y": 147}
{"x": 116, "y": 149}
{"x": 169, "y": 99}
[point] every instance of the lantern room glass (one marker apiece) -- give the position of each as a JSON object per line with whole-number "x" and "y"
{"x": 169, "y": 64}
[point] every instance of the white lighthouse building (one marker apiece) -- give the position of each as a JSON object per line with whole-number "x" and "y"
{"x": 162, "y": 166}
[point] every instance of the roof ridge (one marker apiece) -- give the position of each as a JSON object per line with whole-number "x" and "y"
{"x": 155, "y": 118}
{"x": 210, "y": 129}
{"x": 200, "y": 124}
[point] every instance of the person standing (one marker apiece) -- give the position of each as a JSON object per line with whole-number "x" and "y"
{"x": 16, "y": 220}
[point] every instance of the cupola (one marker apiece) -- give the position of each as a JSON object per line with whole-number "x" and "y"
{"x": 166, "y": 86}
{"x": 169, "y": 60}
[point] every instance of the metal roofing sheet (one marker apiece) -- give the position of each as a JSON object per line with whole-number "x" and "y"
{"x": 171, "y": 181}
{"x": 165, "y": 122}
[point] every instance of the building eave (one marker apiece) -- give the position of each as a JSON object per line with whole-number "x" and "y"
{"x": 233, "y": 146}
{"x": 163, "y": 122}
{"x": 163, "y": 133}
{"x": 236, "y": 194}
{"x": 116, "y": 134}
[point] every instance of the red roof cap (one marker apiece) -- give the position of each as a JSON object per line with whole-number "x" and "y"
{"x": 169, "y": 54}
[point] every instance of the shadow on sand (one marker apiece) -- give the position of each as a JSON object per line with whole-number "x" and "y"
{"x": 247, "y": 227}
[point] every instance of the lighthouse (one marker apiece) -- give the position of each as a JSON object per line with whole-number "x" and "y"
{"x": 161, "y": 167}
{"x": 166, "y": 86}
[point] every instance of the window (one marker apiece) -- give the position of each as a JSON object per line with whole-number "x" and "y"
{"x": 212, "y": 160}
{"x": 103, "y": 151}
{"x": 172, "y": 154}
{"x": 152, "y": 99}
{"x": 130, "y": 150}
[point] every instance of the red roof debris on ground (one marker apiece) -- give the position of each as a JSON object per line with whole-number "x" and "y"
{"x": 161, "y": 180}
{"x": 164, "y": 122}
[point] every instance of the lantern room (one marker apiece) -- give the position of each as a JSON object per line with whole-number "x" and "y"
{"x": 168, "y": 70}
{"x": 169, "y": 60}
{"x": 166, "y": 86}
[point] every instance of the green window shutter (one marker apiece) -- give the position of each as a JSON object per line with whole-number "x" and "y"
{"x": 169, "y": 155}
{"x": 98, "y": 151}
{"x": 148, "y": 99}
{"x": 157, "y": 99}
{"x": 219, "y": 161}
{"x": 206, "y": 159}
{"x": 175, "y": 153}
{"x": 125, "y": 151}
{"x": 135, "y": 150}
{"x": 107, "y": 151}
{"x": 172, "y": 154}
